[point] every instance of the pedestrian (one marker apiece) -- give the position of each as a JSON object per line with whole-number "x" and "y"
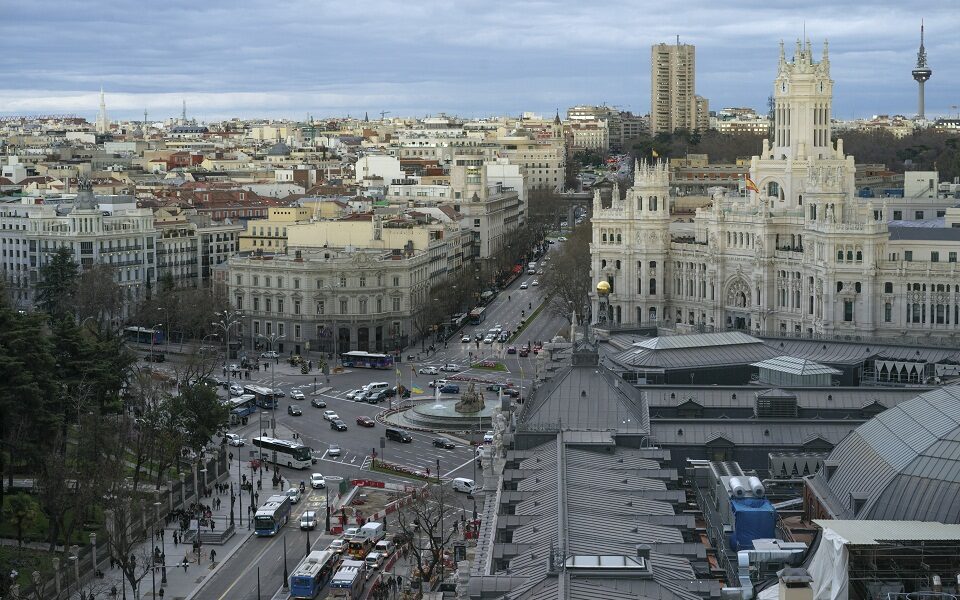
{"x": 256, "y": 497}
{"x": 212, "y": 525}
{"x": 161, "y": 592}
{"x": 176, "y": 539}
{"x": 185, "y": 564}
{"x": 213, "y": 555}
{"x": 113, "y": 591}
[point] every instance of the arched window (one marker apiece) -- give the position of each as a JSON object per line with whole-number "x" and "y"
{"x": 773, "y": 189}
{"x": 603, "y": 236}
{"x": 839, "y": 286}
{"x": 839, "y": 255}
{"x": 652, "y": 203}
{"x": 850, "y": 255}
{"x": 603, "y": 263}
{"x": 618, "y": 264}
{"x": 856, "y": 287}
{"x": 653, "y": 264}
{"x": 859, "y": 256}
{"x": 653, "y": 287}
{"x": 619, "y": 238}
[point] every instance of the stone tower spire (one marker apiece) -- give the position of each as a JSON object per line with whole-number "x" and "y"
{"x": 921, "y": 73}
{"x": 103, "y": 125}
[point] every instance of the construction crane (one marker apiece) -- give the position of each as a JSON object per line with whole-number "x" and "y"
{"x": 383, "y": 113}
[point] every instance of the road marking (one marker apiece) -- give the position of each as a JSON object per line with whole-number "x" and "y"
{"x": 249, "y": 566}
{"x": 447, "y": 474}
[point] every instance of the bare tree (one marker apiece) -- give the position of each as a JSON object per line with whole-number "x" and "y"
{"x": 566, "y": 280}
{"x": 422, "y": 525}
{"x": 99, "y": 296}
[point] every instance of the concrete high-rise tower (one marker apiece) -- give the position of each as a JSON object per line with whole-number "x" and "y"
{"x": 921, "y": 73}
{"x": 673, "y": 100}
{"x": 103, "y": 125}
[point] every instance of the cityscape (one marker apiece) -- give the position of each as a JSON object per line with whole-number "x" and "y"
{"x": 258, "y": 324}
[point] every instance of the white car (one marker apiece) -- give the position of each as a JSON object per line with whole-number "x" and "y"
{"x": 535, "y": 283}
{"x": 317, "y": 481}
{"x": 236, "y": 389}
{"x": 352, "y": 394}
{"x": 235, "y": 440}
{"x": 488, "y": 339}
{"x": 438, "y": 383}
{"x": 488, "y": 438}
{"x": 561, "y": 239}
{"x": 294, "y": 495}
{"x": 270, "y": 354}
{"x": 465, "y": 339}
{"x": 333, "y": 450}
{"x": 337, "y": 546}
{"x": 296, "y": 395}
{"x": 330, "y": 415}
{"x": 450, "y": 368}
{"x": 427, "y": 370}
{"x": 524, "y": 285}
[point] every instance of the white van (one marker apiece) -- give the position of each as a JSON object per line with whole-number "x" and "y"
{"x": 374, "y": 560}
{"x": 462, "y": 484}
{"x": 376, "y": 386}
{"x": 385, "y": 547}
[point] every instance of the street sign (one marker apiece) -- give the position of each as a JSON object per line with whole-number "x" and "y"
{"x": 383, "y": 442}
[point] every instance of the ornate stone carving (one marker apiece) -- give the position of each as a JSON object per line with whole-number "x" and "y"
{"x": 471, "y": 401}
{"x": 737, "y": 293}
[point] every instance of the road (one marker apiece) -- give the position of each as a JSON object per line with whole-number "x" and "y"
{"x": 237, "y": 579}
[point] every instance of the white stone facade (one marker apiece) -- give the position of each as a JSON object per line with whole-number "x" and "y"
{"x": 800, "y": 255}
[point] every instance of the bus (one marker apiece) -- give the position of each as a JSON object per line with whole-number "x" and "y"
{"x": 265, "y": 397}
{"x": 291, "y": 454}
{"x": 240, "y": 407}
{"x": 142, "y": 335}
{"x": 359, "y": 547}
{"x": 313, "y": 571}
{"x": 478, "y": 315}
{"x": 349, "y": 580}
{"x": 272, "y": 516}
{"x": 366, "y": 360}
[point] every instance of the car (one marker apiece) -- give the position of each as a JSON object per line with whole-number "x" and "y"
{"x": 294, "y": 410}
{"x": 539, "y": 271}
{"x": 352, "y": 394}
{"x": 390, "y": 392}
{"x": 317, "y": 481}
{"x": 364, "y": 421}
{"x": 505, "y": 336}
{"x": 235, "y": 440}
{"x": 524, "y": 285}
{"x": 338, "y": 425}
{"x": 535, "y": 283}
{"x": 308, "y": 520}
{"x": 450, "y": 368}
{"x": 524, "y": 351}
{"x": 496, "y": 387}
{"x": 279, "y": 393}
{"x": 442, "y": 442}
{"x": 270, "y": 354}
{"x": 318, "y": 403}
{"x": 450, "y": 388}
{"x": 155, "y": 357}
{"x": 375, "y": 397}
{"x": 488, "y": 339}
{"x": 511, "y": 349}
{"x": 438, "y": 383}
{"x": 233, "y": 367}
{"x": 488, "y": 437}
{"x": 477, "y": 337}
{"x": 334, "y": 450}
{"x": 512, "y": 392}
{"x": 294, "y": 495}
{"x": 465, "y": 339}
{"x": 427, "y": 371}
{"x": 337, "y": 546}
{"x": 297, "y": 395}
{"x": 330, "y": 415}
{"x": 236, "y": 389}
{"x": 561, "y": 239}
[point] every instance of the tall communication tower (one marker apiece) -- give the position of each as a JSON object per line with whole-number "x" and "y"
{"x": 921, "y": 73}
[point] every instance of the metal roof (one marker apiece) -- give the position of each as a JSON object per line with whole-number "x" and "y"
{"x": 697, "y": 340}
{"x": 839, "y": 398}
{"x": 853, "y": 353}
{"x": 924, "y": 233}
{"x": 795, "y": 366}
{"x": 695, "y": 356}
{"x": 904, "y": 464}
{"x": 871, "y": 533}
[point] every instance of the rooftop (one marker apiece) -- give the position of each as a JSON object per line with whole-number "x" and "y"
{"x": 795, "y": 366}
{"x": 873, "y": 533}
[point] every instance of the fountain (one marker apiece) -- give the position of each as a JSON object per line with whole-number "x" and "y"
{"x": 469, "y": 412}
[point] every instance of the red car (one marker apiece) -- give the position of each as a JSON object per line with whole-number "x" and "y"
{"x": 365, "y": 421}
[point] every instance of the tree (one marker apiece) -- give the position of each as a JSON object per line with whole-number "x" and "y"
{"x": 202, "y": 415}
{"x": 22, "y": 510}
{"x": 57, "y": 286}
{"x": 566, "y": 280}
{"x": 99, "y": 296}
{"x": 422, "y": 523}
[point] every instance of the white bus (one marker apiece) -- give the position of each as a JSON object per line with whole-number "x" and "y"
{"x": 289, "y": 453}
{"x": 349, "y": 580}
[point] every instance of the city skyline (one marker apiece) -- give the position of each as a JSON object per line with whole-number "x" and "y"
{"x": 303, "y": 58}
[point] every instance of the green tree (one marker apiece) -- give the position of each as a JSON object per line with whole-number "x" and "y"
{"x": 201, "y": 414}
{"x": 22, "y": 510}
{"x": 58, "y": 282}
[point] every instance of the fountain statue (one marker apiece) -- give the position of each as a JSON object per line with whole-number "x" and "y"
{"x": 471, "y": 401}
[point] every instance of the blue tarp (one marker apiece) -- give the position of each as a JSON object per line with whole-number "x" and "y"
{"x": 753, "y": 519}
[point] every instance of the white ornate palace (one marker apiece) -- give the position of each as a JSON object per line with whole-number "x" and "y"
{"x": 801, "y": 256}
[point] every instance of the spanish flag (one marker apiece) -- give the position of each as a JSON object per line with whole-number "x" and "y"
{"x": 751, "y": 186}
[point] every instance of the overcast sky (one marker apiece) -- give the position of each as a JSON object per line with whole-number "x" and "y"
{"x": 293, "y": 58}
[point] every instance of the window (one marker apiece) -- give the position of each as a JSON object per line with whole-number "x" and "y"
{"x": 888, "y": 288}
{"x": 918, "y": 215}
{"x": 839, "y": 286}
{"x": 296, "y": 283}
{"x": 856, "y": 287}
{"x": 266, "y": 281}
{"x": 908, "y": 255}
{"x": 256, "y": 327}
{"x": 952, "y": 257}
{"x": 280, "y": 305}
{"x": 256, "y": 280}
{"x": 296, "y": 307}
{"x": 321, "y": 307}
{"x": 898, "y": 215}
{"x": 279, "y": 282}
{"x": 319, "y": 284}
{"x": 653, "y": 287}
{"x": 363, "y": 281}
{"x": 343, "y": 281}
{"x": 256, "y": 304}
{"x": 848, "y": 310}
{"x": 343, "y": 307}
{"x": 363, "y": 306}
{"x": 396, "y": 304}
{"x": 266, "y": 304}
{"x": 887, "y": 312}
{"x": 239, "y": 305}
{"x": 934, "y": 257}
{"x": 396, "y": 280}
{"x": 239, "y": 279}
{"x": 280, "y": 329}
{"x": 296, "y": 332}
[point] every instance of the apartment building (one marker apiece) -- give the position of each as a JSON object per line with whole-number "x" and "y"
{"x": 673, "y": 99}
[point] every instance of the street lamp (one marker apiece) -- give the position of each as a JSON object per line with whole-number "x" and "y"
{"x": 227, "y": 319}
{"x": 273, "y": 338}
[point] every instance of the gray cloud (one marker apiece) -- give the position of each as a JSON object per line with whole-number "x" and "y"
{"x": 294, "y": 57}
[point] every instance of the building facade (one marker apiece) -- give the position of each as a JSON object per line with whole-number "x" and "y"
{"x": 800, "y": 254}
{"x": 673, "y": 100}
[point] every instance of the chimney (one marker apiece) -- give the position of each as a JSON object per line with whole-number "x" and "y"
{"x": 795, "y": 584}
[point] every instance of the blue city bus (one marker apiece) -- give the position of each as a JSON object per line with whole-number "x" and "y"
{"x": 142, "y": 335}
{"x": 349, "y": 580}
{"x": 272, "y": 516}
{"x": 241, "y": 406}
{"x": 312, "y": 573}
{"x": 478, "y": 315}
{"x": 366, "y": 360}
